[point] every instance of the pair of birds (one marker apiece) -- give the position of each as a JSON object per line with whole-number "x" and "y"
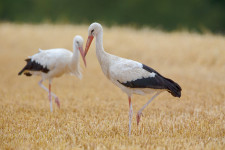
{"x": 130, "y": 76}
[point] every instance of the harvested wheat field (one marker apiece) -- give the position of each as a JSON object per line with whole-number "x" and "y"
{"x": 94, "y": 112}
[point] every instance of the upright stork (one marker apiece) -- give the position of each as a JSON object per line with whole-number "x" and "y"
{"x": 53, "y": 63}
{"x": 130, "y": 76}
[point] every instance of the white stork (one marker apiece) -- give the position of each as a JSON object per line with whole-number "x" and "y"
{"x": 54, "y": 63}
{"x": 130, "y": 76}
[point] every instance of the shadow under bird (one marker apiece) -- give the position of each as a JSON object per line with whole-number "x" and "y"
{"x": 53, "y": 63}
{"x": 130, "y": 76}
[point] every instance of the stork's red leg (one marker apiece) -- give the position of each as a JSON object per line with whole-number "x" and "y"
{"x": 53, "y": 94}
{"x": 50, "y": 96}
{"x": 140, "y": 111}
{"x": 130, "y": 114}
{"x": 57, "y": 102}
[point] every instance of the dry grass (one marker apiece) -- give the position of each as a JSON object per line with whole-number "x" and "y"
{"x": 94, "y": 113}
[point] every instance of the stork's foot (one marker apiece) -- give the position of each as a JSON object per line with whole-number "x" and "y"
{"x": 139, "y": 114}
{"x": 57, "y": 102}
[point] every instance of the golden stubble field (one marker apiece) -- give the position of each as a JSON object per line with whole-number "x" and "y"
{"x": 94, "y": 113}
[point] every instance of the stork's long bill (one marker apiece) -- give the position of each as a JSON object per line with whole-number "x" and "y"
{"x": 89, "y": 40}
{"x": 82, "y": 54}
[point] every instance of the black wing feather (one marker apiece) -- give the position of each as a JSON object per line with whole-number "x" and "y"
{"x": 33, "y": 66}
{"x": 157, "y": 82}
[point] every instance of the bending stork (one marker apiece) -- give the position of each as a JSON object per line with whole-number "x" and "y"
{"x": 54, "y": 63}
{"x": 130, "y": 76}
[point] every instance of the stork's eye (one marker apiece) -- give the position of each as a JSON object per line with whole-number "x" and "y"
{"x": 92, "y": 31}
{"x": 77, "y": 42}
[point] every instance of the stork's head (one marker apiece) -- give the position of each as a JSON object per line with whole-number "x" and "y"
{"x": 78, "y": 43}
{"x": 93, "y": 30}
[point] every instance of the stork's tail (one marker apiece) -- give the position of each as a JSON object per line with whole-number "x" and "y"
{"x": 25, "y": 68}
{"x": 173, "y": 88}
{"x": 21, "y": 71}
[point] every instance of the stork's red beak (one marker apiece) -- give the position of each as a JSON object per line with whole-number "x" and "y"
{"x": 89, "y": 40}
{"x": 82, "y": 54}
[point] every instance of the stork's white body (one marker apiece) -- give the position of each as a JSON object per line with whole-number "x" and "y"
{"x": 130, "y": 76}
{"x": 53, "y": 63}
{"x": 59, "y": 61}
{"x": 120, "y": 69}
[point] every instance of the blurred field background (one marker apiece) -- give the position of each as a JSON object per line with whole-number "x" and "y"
{"x": 94, "y": 113}
{"x": 183, "y": 40}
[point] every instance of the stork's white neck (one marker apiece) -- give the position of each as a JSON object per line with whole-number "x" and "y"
{"x": 75, "y": 53}
{"x": 99, "y": 45}
{"x": 103, "y": 57}
{"x": 75, "y": 58}
{"x": 74, "y": 66}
